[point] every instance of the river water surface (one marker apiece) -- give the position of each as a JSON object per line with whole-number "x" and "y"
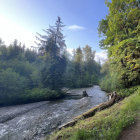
{"x": 34, "y": 121}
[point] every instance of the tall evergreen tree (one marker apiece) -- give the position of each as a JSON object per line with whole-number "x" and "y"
{"x": 52, "y": 47}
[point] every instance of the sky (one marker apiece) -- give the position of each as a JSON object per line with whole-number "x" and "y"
{"x": 22, "y": 19}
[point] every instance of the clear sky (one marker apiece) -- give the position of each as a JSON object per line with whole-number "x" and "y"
{"x": 21, "y": 19}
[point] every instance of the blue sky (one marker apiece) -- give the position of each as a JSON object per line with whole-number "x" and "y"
{"x": 21, "y": 19}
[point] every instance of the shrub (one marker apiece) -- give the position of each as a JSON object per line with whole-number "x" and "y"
{"x": 28, "y": 96}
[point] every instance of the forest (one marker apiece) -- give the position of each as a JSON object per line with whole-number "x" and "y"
{"x": 37, "y": 74}
{"x": 41, "y": 72}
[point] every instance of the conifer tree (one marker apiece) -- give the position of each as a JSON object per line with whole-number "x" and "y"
{"x": 52, "y": 47}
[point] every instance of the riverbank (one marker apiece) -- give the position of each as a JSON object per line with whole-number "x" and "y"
{"x": 30, "y": 96}
{"x": 38, "y": 95}
{"x": 107, "y": 124}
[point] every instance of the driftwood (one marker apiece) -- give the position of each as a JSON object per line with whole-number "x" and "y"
{"x": 92, "y": 111}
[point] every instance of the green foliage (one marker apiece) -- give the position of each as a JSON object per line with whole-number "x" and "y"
{"x": 10, "y": 81}
{"x": 28, "y": 96}
{"x": 42, "y": 94}
{"x": 53, "y": 73}
{"x": 111, "y": 82}
{"x": 52, "y": 47}
{"x": 83, "y": 70}
{"x": 120, "y": 30}
{"x": 27, "y": 75}
{"x": 127, "y": 91}
{"x": 20, "y": 76}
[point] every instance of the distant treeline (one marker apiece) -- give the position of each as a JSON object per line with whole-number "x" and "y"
{"x": 29, "y": 75}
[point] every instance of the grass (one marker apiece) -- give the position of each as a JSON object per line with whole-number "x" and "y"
{"x": 105, "y": 125}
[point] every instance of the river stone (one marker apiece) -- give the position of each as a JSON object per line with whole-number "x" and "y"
{"x": 85, "y": 94}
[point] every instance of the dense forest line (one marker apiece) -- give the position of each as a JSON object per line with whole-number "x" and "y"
{"x": 28, "y": 75}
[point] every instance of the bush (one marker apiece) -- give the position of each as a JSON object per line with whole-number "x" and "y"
{"x": 38, "y": 94}
{"x": 28, "y": 96}
{"x": 11, "y": 82}
{"x": 111, "y": 82}
{"x": 127, "y": 91}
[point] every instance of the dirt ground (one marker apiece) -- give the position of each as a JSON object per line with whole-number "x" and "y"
{"x": 132, "y": 132}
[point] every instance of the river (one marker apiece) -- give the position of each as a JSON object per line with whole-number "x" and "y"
{"x": 35, "y": 120}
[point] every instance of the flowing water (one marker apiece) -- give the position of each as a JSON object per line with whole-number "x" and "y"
{"x": 34, "y": 121}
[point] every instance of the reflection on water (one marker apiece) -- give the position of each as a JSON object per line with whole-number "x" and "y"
{"x": 33, "y": 121}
